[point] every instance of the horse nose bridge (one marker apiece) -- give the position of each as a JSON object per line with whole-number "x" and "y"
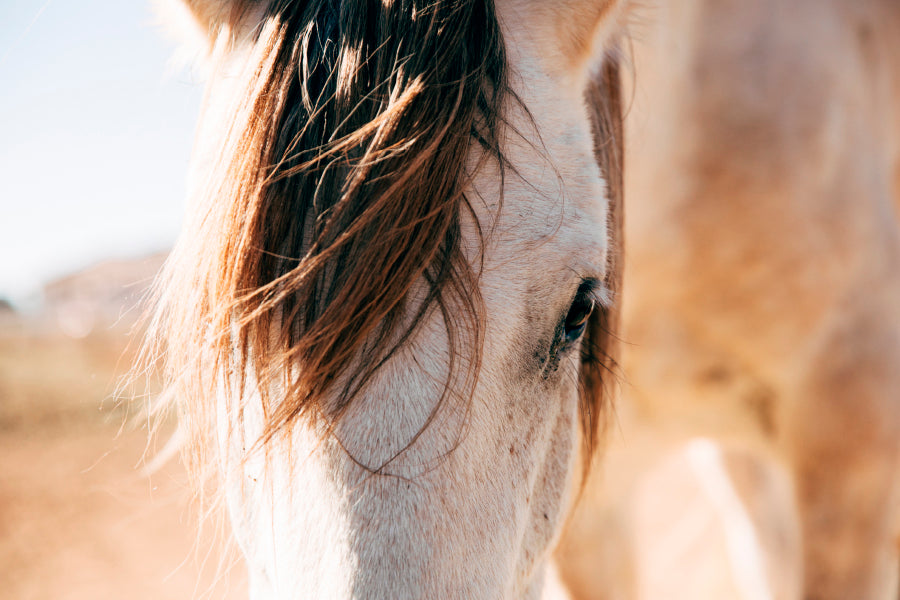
{"x": 403, "y": 528}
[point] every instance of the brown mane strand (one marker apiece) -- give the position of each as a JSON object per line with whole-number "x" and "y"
{"x": 338, "y": 190}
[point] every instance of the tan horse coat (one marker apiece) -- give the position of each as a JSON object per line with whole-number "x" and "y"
{"x": 762, "y": 299}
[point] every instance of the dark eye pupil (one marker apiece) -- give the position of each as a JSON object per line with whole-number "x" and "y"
{"x": 579, "y": 312}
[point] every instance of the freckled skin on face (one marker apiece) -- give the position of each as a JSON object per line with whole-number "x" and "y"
{"x": 548, "y": 353}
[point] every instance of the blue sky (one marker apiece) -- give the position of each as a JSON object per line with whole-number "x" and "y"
{"x": 95, "y": 137}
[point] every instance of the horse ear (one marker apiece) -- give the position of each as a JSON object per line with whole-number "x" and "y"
{"x": 196, "y": 24}
{"x": 214, "y": 15}
{"x": 572, "y": 32}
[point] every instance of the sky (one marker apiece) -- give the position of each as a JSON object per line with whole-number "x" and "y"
{"x": 95, "y": 137}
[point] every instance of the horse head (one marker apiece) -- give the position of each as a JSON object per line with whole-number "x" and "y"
{"x": 388, "y": 319}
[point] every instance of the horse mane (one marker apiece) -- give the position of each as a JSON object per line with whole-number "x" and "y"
{"x": 338, "y": 191}
{"x": 600, "y": 345}
{"x": 329, "y": 226}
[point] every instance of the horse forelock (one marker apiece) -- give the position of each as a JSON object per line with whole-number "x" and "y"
{"x": 331, "y": 224}
{"x": 337, "y": 195}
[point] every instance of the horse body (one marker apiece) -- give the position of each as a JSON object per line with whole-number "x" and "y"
{"x": 427, "y": 480}
{"x": 762, "y": 297}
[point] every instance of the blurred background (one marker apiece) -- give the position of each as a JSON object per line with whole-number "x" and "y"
{"x": 95, "y": 137}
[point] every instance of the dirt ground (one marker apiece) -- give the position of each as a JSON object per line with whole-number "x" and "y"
{"x": 78, "y": 520}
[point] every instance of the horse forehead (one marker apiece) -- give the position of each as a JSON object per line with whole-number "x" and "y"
{"x": 550, "y": 203}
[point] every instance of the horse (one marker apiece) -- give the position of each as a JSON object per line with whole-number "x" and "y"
{"x": 388, "y": 322}
{"x": 761, "y": 306}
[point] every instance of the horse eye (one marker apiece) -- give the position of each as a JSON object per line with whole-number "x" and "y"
{"x": 579, "y": 312}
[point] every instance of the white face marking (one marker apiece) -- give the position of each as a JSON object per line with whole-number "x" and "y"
{"x": 473, "y": 507}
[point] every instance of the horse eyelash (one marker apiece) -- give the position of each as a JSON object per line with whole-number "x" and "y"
{"x": 598, "y": 291}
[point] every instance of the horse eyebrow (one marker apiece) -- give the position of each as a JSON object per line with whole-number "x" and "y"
{"x": 598, "y": 291}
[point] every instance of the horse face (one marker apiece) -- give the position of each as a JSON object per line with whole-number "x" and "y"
{"x": 451, "y": 471}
